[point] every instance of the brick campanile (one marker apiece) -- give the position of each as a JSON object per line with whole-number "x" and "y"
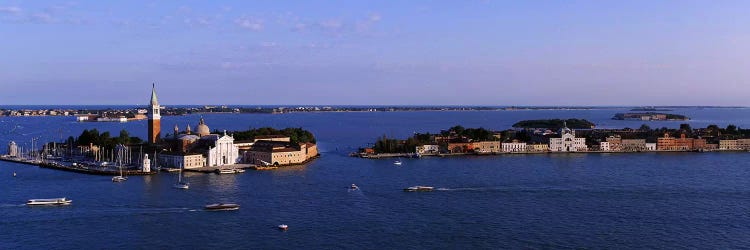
{"x": 154, "y": 118}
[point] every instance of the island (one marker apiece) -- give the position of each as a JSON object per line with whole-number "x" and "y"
{"x": 650, "y": 116}
{"x": 458, "y": 140}
{"x": 555, "y": 124}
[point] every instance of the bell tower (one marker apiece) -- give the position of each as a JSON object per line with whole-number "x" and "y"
{"x": 154, "y": 118}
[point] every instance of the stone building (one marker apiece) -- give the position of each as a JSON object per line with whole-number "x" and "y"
{"x": 567, "y": 142}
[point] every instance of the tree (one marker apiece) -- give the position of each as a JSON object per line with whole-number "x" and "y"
{"x": 644, "y": 127}
{"x": 686, "y": 127}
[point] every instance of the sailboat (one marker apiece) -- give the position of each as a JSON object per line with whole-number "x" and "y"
{"x": 119, "y": 178}
{"x": 180, "y": 184}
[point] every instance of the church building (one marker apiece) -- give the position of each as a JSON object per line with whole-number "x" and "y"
{"x": 567, "y": 142}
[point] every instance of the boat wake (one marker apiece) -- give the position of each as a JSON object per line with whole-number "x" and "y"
{"x": 11, "y": 205}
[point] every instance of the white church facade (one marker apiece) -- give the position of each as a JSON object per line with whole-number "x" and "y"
{"x": 567, "y": 142}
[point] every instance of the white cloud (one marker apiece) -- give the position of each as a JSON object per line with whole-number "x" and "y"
{"x": 10, "y": 10}
{"x": 374, "y": 17}
{"x": 250, "y": 23}
{"x": 331, "y": 24}
{"x": 41, "y": 17}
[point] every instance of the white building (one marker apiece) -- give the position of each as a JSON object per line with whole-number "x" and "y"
{"x": 428, "y": 149}
{"x": 650, "y": 146}
{"x": 604, "y": 146}
{"x": 221, "y": 150}
{"x": 514, "y": 146}
{"x": 567, "y": 142}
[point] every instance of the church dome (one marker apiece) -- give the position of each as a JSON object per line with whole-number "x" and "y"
{"x": 202, "y": 128}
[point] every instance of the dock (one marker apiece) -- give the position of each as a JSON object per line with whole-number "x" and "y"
{"x": 214, "y": 169}
{"x": 84, "y": 170}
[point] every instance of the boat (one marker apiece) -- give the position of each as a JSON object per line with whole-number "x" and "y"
{"x": 353, "y": 187}
{"x": 222, "y": 207}
{"x": 397, "y": 162}
{"x": 48, "y": 202}
{"x": 283, "y": 227}
{"x": 119, "y": 178}
{"x": 419, "y": 189}
{"x": 180, "y": 184}
{"x": 225, "y": 171}
{"x": 239, "y": 170}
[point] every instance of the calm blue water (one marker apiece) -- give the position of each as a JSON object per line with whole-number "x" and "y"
{"x": 649, "y": 200}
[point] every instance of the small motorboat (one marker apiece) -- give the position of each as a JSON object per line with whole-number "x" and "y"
{"x": 239, "y": 170}
{"x": 222, "y": 207}
{"x": 119, "y": 179}
{"x": 353, "y": 187}
{"x": 283, "y": 227}
{"x": 49, "y": 202}
{"x": 397, "y": 163}
{"x": 419, "y": 189}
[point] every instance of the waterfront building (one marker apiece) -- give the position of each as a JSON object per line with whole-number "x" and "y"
{"x": 428, "y": 149}
{"x": 728, "y": 145}
{"x": 537, "y": 147}
{"x": 743, "y": 144}
{"x": 604, "y": 146}
{"x": 633, "y": 145}
{"x": 650, "y": 146}
{"x": 460, "y": 147}
{"x": 13, "y": 149}
{"x": 154, "y": 118}
{"x": 567, "y": 142}
{"x": 184, "y": 160}
{"x": 486, "y": 147}
{"x": 514, "y": 146}
{"x": 674, "y": 144}
{"x": 280, "y": 153}
{"x": 699, "y": 144}
{"x": 615, "y": 143}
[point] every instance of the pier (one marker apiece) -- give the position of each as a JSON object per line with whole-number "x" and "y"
{"x": 84, "y": 170}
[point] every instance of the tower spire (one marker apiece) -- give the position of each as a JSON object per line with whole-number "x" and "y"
{"x": 154, "y": 101}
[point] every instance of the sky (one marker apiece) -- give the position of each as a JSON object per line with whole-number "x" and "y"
{"x": 584, "y": 53}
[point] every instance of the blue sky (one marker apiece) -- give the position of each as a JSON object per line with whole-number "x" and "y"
{"x": 379, "y": 52}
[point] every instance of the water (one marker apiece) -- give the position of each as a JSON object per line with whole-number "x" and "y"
{"x": 648, "y": 200}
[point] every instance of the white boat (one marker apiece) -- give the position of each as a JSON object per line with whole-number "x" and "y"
{"x": 225, "y": 171}
{"x": 49, "y": 202}
{"x": 419, "y": 189}
{"x": 283, "y": 227}
{"x": 353, "y": 187}
{"x": 180, "y": 184}
{"x": 120, "y": 178}
{"x": 397, "y": 162}
{"x": 222, "y": 207}
{"x": 239, "y": 170}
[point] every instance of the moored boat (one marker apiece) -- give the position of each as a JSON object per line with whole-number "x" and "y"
{"x": 226, "y": 171}
{"x": 419, "y": 189}
{"x": 222, "y": 207}
{"x": 49, "y": 202}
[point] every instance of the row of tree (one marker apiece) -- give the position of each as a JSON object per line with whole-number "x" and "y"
{"x": 95, "y": 137}
{"x": 296, "y": 135}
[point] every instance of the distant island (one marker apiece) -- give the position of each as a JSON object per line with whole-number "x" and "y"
{"x": 650, "y": 116}
{"x": 651, "y": 109}
{"x": 555, "y": 124}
